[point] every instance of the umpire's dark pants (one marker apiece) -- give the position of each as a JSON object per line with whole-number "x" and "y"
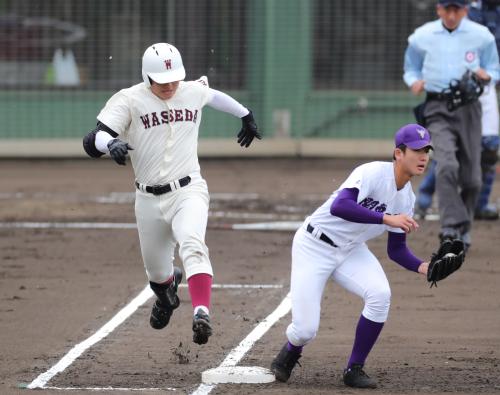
{"x": 456, "y": 137}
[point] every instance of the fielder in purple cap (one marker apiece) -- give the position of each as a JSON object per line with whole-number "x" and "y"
{"x": 331, "y": 244}
{"x": 413, "y": 136}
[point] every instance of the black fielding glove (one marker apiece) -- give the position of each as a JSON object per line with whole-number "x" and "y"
{"x": 118, "y": 150}
{"x": 445, "y": 261}
{"x": 248, "y": 131}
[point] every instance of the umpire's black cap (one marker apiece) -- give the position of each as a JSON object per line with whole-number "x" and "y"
{"x": 457, "y": 3}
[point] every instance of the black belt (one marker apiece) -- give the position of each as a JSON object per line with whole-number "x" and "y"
{"x": 161, "y": 189}
{"x": 322, "y": 236}
{"x": 436, "y": 96}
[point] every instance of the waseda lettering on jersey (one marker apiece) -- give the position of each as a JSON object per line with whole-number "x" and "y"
{"x": 373, "y": 204}
{"x": 174, "y": 115}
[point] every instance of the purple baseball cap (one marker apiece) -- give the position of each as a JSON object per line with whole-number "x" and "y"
{"x": 413, "y": 136}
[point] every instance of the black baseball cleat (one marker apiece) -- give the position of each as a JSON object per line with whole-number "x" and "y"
{"x": 488, "y": 213}
{"x": 284, "y": 363}
{"x": 356, "y": 377}
{"x": 167, "y": 301}
{"x": 202, "y": 329}
{"x": 420, "y": 213}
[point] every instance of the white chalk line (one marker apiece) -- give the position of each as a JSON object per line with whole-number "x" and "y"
{"x": 68, "y": 225}
{"x": 99, "y": 389}
{"x": 237, "y": 353}
{"x": 254, "y": 216}
{"x": 111, "y": 325}
{"x": 78, "y": 349}
{"x": 129, "y": 197}
{"x": 263, "y": 226}
{"x": 280, "y": 225}
{"x": 238, "y": 286}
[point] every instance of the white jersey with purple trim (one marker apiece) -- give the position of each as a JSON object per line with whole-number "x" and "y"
{"x": 163, "y": 133}
{"x": 377, "y": 191}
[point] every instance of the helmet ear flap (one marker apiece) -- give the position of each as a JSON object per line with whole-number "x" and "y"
{"x": 146, "y": 79}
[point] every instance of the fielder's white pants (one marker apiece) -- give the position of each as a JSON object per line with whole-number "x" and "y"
{"x": 175, "y": 217}
{"x": 355, "y": 268}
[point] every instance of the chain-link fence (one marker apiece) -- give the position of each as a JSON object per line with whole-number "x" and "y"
{"x": 318, "y": 68}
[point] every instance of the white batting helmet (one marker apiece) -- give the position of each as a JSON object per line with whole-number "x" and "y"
{"x": 162, "y": 63}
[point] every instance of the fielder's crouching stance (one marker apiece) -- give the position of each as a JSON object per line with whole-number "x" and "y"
{"x": 157, "y": 121}
{"x": 377, "y": 196}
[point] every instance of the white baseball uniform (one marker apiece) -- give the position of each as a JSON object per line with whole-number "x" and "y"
{"x": 164, "y": 138}
{"x": 349, "y": 263}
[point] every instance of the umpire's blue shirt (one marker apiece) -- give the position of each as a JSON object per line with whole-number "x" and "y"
{"x": 437, "y": 56}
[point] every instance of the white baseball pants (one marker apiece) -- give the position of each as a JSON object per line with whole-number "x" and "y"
{"x": 355, "y": 268}
{"x": 175, "y": 217}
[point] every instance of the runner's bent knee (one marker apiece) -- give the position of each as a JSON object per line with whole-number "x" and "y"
{"x": 194, "y": 255}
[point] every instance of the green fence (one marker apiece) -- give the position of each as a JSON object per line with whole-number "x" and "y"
{"x": 310, "y": 69}
{"x": 342, "y": 114}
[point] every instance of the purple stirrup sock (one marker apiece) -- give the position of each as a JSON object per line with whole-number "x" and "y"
{"x": 366, "y": 335}
{"x": 295, "y": 349}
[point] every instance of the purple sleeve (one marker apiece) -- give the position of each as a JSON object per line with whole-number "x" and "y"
{"x": 399, "y": 252}
{"x": 346, "y": 207}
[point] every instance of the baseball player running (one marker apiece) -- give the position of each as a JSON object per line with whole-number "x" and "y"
{"x": 377, "y": 196}
{"x": 156, "y": 122}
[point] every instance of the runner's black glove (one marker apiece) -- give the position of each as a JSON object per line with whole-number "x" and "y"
{"x": 248, "y": 130}
{"x": 118, "y": 150}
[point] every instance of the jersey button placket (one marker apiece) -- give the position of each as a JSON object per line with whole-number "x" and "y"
{"x": 167, "y": 158}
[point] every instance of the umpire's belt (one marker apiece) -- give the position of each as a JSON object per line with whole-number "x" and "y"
{"x": 320, "y": 235}
{"x": 161, "y": 189}
{"x": 436, "y": 96}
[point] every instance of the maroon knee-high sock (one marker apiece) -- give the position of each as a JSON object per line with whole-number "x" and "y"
{"x": 200, "y": 289}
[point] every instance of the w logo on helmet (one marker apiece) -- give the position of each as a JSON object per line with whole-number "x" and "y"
{"x": 168, "y": 64}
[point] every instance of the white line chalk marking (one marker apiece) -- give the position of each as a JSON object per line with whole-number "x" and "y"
{"x": 77, "y": 350}
{"x": 283, "y": 225}
{"x": 237, "y": 286}
{"x": 280, "y": 225}
{"x": 254, "y": 216}
{"x": 246, "y": 344}
{"x": 112, "y": 324}
{"x": 99, "y": 389}
{"x": 68, "y": 225}
{"x": 290, "y": 225}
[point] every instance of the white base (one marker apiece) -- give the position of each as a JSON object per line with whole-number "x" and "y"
{"x": 237, "y": 374}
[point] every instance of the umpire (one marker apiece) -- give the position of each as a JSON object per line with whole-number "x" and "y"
{"x": 439, "y": 54}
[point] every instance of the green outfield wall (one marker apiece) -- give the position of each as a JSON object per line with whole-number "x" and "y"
{"x": 334, "y": 114}
{"x": 308, "y": 69}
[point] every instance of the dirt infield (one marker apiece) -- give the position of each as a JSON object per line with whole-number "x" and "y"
{"x": 59, "y": 286}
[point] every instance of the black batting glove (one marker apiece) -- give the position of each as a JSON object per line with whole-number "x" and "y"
{"x": 118, "y": 150}
{"x": 248, "y": 130}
